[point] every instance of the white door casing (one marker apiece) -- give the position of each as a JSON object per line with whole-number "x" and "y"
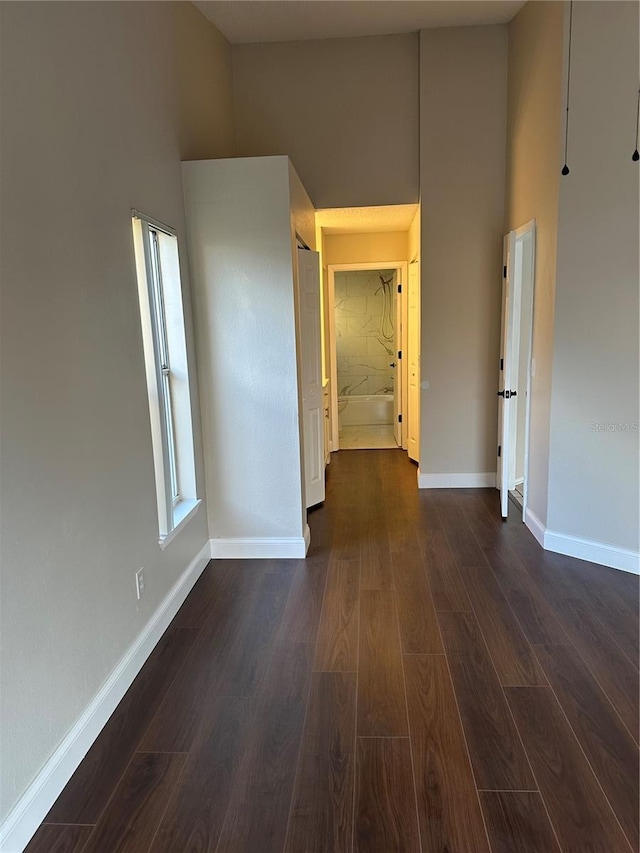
{"x": 505, "y": 377}
{"x": 413, "y": 359}
{"x": 397, "y": 360}
{"x": 311, "y": 376}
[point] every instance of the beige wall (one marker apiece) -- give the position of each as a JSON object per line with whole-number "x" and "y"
{"x": 463, "y": 78}
{"x": 593, "y": 471}
{"x": 533, "y": 174}
{"x": 95, "y": 119}
{"x": 365, "y": 248}
{"x": 344, "y": 110}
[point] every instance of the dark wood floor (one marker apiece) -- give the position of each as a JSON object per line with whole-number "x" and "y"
{"x": 427, "y": 680}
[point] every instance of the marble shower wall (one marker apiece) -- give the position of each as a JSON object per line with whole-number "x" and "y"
{"x": 365, "y": 331}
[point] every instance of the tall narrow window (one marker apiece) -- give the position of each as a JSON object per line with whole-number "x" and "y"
{"x": 163, "y": 333}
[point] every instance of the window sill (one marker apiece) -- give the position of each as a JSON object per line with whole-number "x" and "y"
{"x": 182, "y": 515}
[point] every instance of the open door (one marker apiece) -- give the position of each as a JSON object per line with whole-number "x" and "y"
{"x": 413, "y": 355}
{"x": 505, "y": 379}
{"x": 311, "y": 376}
{"x": 397, "y": 365}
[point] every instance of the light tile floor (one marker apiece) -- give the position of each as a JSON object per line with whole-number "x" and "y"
{"x": 367, "y": 437}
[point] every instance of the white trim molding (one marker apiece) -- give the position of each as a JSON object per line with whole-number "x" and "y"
{"x": 28, "y": 813}
{"x": 583, "y": 549}
{"x": 457, "y": 481}
{"x": 535, "y": 525}
{"x": 593, "y": 551}
{"x": 256, "y": 548}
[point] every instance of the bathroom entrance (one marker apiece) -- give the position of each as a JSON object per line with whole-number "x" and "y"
{"x": 366, "y": 315}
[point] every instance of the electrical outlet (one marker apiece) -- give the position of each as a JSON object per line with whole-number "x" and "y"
{"x": 140, "y": 583}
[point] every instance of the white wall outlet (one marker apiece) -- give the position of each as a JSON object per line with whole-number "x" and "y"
{"x": 140, "y": 583}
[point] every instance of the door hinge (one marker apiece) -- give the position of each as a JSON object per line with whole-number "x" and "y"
{"x": 502, "y": 364}
{"x": 499, "y": 450}
{"x": 399, "y": 354}
{"x": 399, "y": 288}
{"x": 504, "y": 271}
{"x": 399, "y": 419}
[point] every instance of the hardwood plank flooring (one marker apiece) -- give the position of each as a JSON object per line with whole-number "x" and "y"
{"x": 518, "y": 823}
{"x": 419, "y": 632}
{"x": 194, "y": 817}
{"x": 385, "y": 812}
{"x": 448, "y": 805}
{"x": 59, "y": 838}
{"x": 131, "y": 818}
{"x": 337, "y": 644}
{"x": 85, "y": 797}
{"x": 606, "y": 743}
{"x": 579, "y": 811}
{"x": 382, "y": 710}
{"x": 428, "y": 679}
{"x": 322, "y": 807}
{"x": 498, "y": 759}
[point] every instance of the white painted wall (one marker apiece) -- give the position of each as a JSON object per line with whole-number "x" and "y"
{"x": 92, "y": 125}
{"x": 463, "y": 101}
{"x": 593, "y": 466}
{"x": 533, "y": 174}
{"x": 240, "y": 224}
{"x": 344, "y": 110}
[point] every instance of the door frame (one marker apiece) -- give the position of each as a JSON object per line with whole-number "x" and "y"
{"x": 523, "y": 231}
{"x": 332, "y": 269}
{"x": 515, "y": 278}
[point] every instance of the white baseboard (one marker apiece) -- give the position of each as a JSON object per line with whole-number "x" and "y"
{"x": 583, "y": 549}
{"x": 456, "y": 481}
{"x": 535, "y": 525}
{"x": 593, "y": 551}
{"x": 27, "y": 815}
{"x": 267, "y": 548}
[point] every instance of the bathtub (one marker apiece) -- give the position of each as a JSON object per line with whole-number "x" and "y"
{"x": 367, "y": 409}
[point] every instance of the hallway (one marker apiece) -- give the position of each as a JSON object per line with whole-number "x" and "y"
{"x": 427, "y": 680}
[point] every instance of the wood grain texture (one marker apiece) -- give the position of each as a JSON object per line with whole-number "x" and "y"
{"x": 260, "y": 801}
{"x": 194, "y": 817}
{"x": 381, "y": 699}
{"x": 537, "y": 620}
{"x": 131, "y": 819}
{"x": 322, "y": 807}
{"x": 579, "y": 811}
{"x": 375, "y": 556}
{"x": 337, "y": 645}
{"x": 229, "y": 658}
{"x": 510, "y": 651}
{"x": 447, "y": 588}
{"x": 498, "y": 759}
{"x": 385, "y": 811}
{"x": 517, "y": 822}
{"x": 59, "y": 838}
{"x": 91, "y": 786}
{"x": 448, "y": 807}
{"x": 419, "y": 632}
{"x": 609, "y": 747}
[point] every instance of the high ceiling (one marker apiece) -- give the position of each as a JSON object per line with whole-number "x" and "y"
{"x": 249, "y": 21}
{"x": 359, "y": 220}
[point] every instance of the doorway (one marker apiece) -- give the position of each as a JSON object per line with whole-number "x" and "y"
{"x": 516, "y": 367}
{"x": 366, "y": 328}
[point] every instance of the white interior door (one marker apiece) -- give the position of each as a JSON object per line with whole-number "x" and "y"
{"x": 505, "y": 378}
{"x": 413, "y": 357}
{"x": 397, "y": 361}
{"x": 311, "y": 376}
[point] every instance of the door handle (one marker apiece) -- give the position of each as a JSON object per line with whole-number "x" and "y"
{"x": 393, "y": 364}
{"x": 507, "y": 394}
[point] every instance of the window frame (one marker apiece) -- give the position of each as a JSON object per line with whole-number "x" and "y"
{"x": 174, "y": 507}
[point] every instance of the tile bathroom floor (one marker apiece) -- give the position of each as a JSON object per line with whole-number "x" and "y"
{"x": 367, "y": 437}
